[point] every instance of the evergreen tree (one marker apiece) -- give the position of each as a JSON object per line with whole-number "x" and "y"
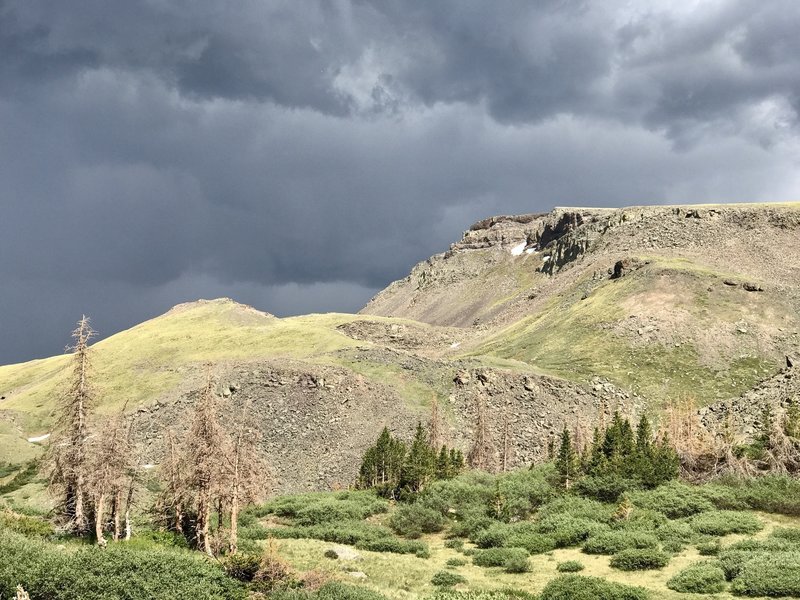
{"x": 444, "y": 467}
{"x": 420, "y": 464}
{"x": 456, "y": 461}
{"x": 664, "y": 464}
{"x": 382, "y": 464}
{"x": 567, "y": 463}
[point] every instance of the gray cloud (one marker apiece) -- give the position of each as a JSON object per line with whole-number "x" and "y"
{"x": 300, "y": 155}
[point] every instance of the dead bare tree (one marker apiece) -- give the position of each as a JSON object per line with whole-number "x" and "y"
{"x": 505, "y": 457}
{"x": 109, "y": 458}
{"x": 203, "y": 457}
{"x": 248, "y": 477}
{"x": 435, "y": 426}
{"x": 482, "y": 454}
{"x": 67, "y": 451}
{"x": 174, "y": 497}
{"x": 693, "y": 443}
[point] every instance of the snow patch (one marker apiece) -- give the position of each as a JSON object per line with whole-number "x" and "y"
{"x": 148, "y": 466}
{"x": 530, "y": 251}
{"x": 40, "y": 438}
{"x": 455, "y": 344}
{"x": 518, "y": 249}
{"x": 545, "y": 258}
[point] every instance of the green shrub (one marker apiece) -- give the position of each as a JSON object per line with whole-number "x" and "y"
{"x": 605, "y": 488}
{"x": 639, "y": 559}
{"x": 577, "y": 507}
{"x": 566, "y": 530}
{"x": 497, "y": 557}
{"x": 336, "y": 590}
{"x": 447, "y": 579}
{"x": 314, "y": 508}
{"x": 674, "y": 499}
{"x": 578, "y": 587}
{"x": 491, "y": 537}
{"x": 115, "y": 572}
{"x": 30, "y": 526}
{"x": 364, "y": 536}
{"x": 522, "y": 492}
{"x": 456, "y": 562}
{"x": 413, "y": 520}
{"x": 764, "y": 545}
{"x": 699, "y": 578}
{"x": 642, "y": 519}
{"x": 773, "y": 574}
{"x": 505, "y": 594}
{"x": 331, "y": 553}
{"x": 471, "y": 524}
{"x": 570, "y": 566}
{"x": 790, "y": 534}
{"x": 769, "y": 493}
{"x": 454, "y": 544}
{"x": 675, "y": 535}
{"x": 147, "y": 538}
{"x": 724, "y": 522}
{"x": 517, "y": 563}
{"x": 709, "y": 548}
{"x": 241, "y": 566}
{"x": 732, "y": 561}
{"x": 22, "y": 478}
{"x": 612, "y": 542}
{"x": 534, "y": 543}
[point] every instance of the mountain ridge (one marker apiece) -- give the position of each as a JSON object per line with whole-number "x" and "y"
{"x": 551, "y": 318}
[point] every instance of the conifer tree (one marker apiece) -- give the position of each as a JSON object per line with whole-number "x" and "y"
{"x": 382, "y": 464}
{"x": 567, "y": 463}
{"x": 456, "y": 461}
{"x": 420, "y": 465}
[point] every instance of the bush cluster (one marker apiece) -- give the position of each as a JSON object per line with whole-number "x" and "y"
{"x": 314, "y": 508}
{"x": 363, "y": 536}
{"x": 499, "y": 557}
{"x": 724, "y": 522}
{"x": 769, "y": 574}
{"x": 447, "y": 579}
{"x": 115, "y": 572}
{"x": 639, "y": 559}
{"x": 612, "y": 542}
{"x": 699, "y": 578}
{"x": 412, "y": 520}
{"x": 675, "y": 500}
{"x": 570, "y": 566}
{"x": 578, "y": 587}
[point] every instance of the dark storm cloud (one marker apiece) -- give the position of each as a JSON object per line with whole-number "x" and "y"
{"x": 299, "y": 155}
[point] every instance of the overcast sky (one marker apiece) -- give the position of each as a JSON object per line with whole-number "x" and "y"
{"x": 298, "y": 155}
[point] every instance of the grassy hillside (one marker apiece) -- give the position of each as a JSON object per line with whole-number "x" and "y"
{"x": 668, "y": 330}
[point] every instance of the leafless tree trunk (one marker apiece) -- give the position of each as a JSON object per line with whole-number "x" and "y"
{"x": 248, "y": 476}
{"x": 505, "y": 456}
{"x": 435, "y": 426}
{"x": 205, "y": 451}
{"x": 482, "y": 454}
{"x": 67, "y": 452}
